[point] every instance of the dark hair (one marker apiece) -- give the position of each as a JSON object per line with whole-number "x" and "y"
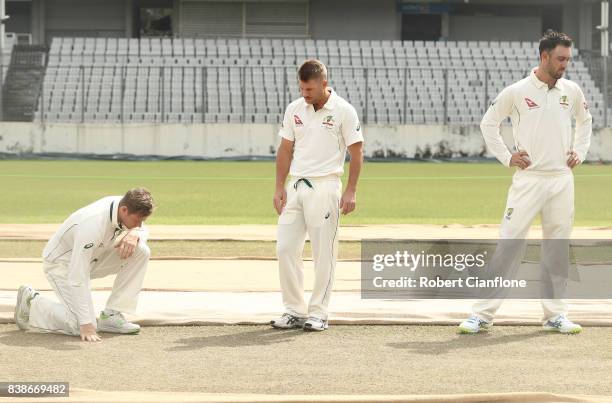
{"x": 552, "y": 39}
{"x": 312, "y": 69}
{"x": 138, "y": 201}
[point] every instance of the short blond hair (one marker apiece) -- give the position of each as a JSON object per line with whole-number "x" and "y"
{"x": 312, "y": 69}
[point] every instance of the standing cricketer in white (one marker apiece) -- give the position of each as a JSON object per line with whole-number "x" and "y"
{"x": 541, "y": 107}
{"x": 317, "y": 129}
{"x": 106, "y": 237}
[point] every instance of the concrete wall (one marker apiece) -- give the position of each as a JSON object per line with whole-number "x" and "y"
{"x": 354, "y": 19}
{"x": 585, "y": 28}
{"x": 92, "y": 18}
{"x": 477, "y": 28}
{"x": 204, "y": 140}
{"x": 571, "y": 24}
{"x": 256, "y": 140}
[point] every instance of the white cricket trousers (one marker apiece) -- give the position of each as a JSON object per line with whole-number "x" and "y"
{"x": 312, "y": 208}
{"x": 531, "y": 194}
{"x": 49, "y": 316}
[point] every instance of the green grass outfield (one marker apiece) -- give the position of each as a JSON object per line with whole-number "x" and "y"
{"x": 202, "y": 192}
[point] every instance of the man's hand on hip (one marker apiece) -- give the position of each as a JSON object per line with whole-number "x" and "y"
{"x": 348, "y": 201}
{"x": 520, "y": 159}
{"x": 127, "y": 245}
{"x": 573, "y": 159}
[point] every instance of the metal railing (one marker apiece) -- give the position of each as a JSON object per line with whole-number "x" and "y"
{"x": 244, "y": 94}
{"x": 380, "y": 94}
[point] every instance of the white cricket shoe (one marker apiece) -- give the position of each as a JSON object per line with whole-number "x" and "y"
{"x": 25, "y": 295}
{"x": 562, "y": 324}
{"x": 116, "y": 323}
{"x": 473, "y": 324}
{"x": 288, "y": 321}
{"x": 314, "y": 324}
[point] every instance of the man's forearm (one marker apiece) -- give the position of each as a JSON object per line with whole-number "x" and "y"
{"x": 283, "y": 162}
{"x": 582, "y": 139}
{"x": 495, "y": 143}
{"x": 354, "y": 169}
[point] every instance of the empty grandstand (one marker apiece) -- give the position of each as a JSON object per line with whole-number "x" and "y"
{"x": 251, "y": 80}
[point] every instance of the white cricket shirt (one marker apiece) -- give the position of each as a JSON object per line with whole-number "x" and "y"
{"x": 321, "y": 137}
{"x": 541, "y": 123}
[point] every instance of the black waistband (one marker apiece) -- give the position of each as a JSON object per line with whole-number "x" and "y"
{"x": 306, "y": 181}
